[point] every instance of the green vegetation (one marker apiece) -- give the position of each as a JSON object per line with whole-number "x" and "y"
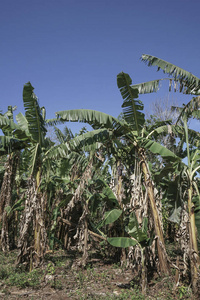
{"x": 127, "y": 191}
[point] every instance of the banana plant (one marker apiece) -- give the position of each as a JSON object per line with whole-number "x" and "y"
{"x": 29, "y": 134}
{"x": 7, "y": 142}
{"x": 33, "y": 124}
{"x": 79, "y": 163}
{"x": 188, "y": 179}
{"x": 134, "y": 116}
{"x": 137, "y": 236}
{"x": 185, "y": 82}
{"x": 131, "y": 130}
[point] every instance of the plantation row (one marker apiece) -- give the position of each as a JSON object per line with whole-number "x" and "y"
{"x": 130, "y": 185}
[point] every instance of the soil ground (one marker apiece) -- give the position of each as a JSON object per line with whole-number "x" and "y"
{"x": 61, "y": 277}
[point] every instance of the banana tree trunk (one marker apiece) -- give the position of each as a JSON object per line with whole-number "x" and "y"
{"x": 194, "y": 256}
{"x": 144, "y": 273}
{"x": 6, "y": 199}
{"x": 82, "y": 228}
{"x": 119, "y": 194}
{"x": 119, "y": 184}
{"x": 162, "y": 254}
{"x": 40, "y": 236}
{"x": 32, "y": 242}
{"x": 85, "y": 247}
{"x": 24, "y": 233}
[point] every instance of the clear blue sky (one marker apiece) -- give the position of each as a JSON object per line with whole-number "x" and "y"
{"x": 72, "y": 50}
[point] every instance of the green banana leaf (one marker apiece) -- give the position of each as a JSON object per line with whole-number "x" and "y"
{"x": 112, "y": 216}
{"x": 94, "y": 118}
{"x": 147, "y": 87}
{"x": 140, "y": 234}
{"x": 33, "y": 114}
{"x": 122, "y": 242}
{"x": 157, "y": 148}
{"x": 188, "y": 83}
{"x": 132, "y": 108}
{"x": 89, "y": 141}
{"x": 9, "y": 144}
{"x": 7, "y": 124}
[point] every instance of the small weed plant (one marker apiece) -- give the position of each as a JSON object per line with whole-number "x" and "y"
{"x": 23, "y": 280}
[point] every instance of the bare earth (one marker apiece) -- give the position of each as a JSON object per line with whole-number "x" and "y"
{"x": 62, "y": 278}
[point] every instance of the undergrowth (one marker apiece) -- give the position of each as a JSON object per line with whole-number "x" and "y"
{"x": 98, "y": 280}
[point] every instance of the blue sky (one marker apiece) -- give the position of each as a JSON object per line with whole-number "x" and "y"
{"x": 72, "y": 50}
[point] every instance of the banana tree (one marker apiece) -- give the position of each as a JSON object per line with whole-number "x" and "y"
{"x": 187, "y": 83}
{"x": 137, "y": 236}
{"x": 188, "y": 179}
{"x": 139, "y": 137}
{"x": 33, "y": 123}
{"x": 7, "y": 144}
{"x": 130, "y": 130}
{"x": 78, "y": 163}
{"x": 29, "y": 134}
